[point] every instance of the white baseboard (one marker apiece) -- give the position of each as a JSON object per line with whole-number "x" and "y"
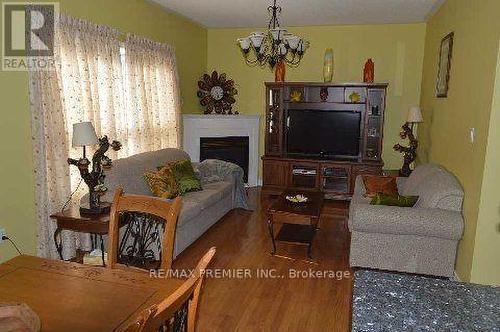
{"x": 455, "y": 277}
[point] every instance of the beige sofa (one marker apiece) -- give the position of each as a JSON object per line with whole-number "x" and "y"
{"x": 421, "y": 239}
{"x": 222, "y": 183}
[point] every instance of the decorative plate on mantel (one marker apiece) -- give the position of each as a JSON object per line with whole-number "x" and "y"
{"x": 216, "y": 93}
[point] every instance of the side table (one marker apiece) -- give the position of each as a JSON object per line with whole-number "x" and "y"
{"x": 71, "y": 219}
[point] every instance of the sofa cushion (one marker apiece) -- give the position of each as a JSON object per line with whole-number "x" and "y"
{"x": 210, "y": 194}
{"x": 189, "y": 210}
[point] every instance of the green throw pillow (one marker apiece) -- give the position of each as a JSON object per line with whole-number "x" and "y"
{"x": 185, "y": 177}
{"x": 394, "y": 200}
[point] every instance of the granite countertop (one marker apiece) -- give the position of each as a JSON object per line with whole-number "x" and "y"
{"x": 399, "y": 302}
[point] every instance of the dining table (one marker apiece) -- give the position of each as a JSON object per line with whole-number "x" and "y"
{"x": 75, "y": 297}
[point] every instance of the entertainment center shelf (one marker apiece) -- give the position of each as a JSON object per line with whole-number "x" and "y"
{"x": 320, "y": 136}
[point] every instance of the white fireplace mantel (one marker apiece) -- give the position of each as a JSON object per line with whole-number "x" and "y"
{"x": 197, "y": 126}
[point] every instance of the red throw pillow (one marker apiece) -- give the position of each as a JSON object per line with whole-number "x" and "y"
{"x": 380, "y": 184}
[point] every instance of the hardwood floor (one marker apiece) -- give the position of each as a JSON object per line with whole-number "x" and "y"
{"x": 283, "y": 303}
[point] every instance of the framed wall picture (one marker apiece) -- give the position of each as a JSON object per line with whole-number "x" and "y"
{"x": 444, "y": 66}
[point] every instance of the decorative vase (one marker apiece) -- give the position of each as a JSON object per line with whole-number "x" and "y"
{"x": 369, "y": 71}
{"x": 279, "y": 73}
{"x": 94, "y": 199}
{"x": 328, "y": 65}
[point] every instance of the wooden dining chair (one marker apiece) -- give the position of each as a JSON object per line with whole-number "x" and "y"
{"x": 145, "y": 219}
{"x": 178, "y": 311}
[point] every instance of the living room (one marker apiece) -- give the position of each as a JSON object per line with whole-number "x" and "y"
{"x": 118, "y": 65}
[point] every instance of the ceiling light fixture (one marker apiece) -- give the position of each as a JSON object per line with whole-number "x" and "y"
{"x": 273, "y": 46}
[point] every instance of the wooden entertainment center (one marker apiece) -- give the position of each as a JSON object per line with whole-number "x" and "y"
{"x": 333, "y": 176}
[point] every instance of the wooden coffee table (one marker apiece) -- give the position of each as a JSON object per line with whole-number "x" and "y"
{"x": 297, "y": 222}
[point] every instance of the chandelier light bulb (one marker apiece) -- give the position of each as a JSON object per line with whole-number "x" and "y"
{"x": 293, "y": 42}
{"x": 303, "y": 45}
{"x": 278, "y": 33}
{"x": 244, "y": 43}
{"x": 257, "y": 38}
{"x": 282, "y": 49}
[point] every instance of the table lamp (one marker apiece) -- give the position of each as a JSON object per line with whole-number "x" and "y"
{"x": 409, "y": 152}
{"x": 414, "y": 115}
{"x": 84, "y": 135}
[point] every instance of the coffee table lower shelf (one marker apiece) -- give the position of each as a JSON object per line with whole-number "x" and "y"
{"x": 301, "y": 234}
{"x": 295, "y": 234}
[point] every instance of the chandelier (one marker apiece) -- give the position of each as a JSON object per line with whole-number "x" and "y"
{"x": 274, "y": 46}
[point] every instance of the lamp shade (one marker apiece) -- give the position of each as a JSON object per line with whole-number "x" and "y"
{"x": 84, "y": 134}
{"x": 414, "y": 115}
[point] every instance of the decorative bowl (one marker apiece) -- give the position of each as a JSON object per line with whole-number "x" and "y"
{"x": 299, "y": 198}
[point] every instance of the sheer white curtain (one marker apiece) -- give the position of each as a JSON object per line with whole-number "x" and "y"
{"x": 152, "y": 95}
{"x": 130, "y": 97}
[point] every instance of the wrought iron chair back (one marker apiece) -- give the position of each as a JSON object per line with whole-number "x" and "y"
{"x": 178, "y": 311}
{"x": 149, "y": 221}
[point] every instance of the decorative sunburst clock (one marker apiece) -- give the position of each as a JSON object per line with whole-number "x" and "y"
{"x": 216, "y": 93}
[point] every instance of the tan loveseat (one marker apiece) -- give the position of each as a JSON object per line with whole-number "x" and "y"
{"x": 421, "y": 239}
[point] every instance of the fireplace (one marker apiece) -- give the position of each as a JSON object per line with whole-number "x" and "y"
{"x": 232, "y": 148}
{"x": 230, "y": 128}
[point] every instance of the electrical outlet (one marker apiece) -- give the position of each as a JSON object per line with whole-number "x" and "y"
{"x": 2, "y": 233}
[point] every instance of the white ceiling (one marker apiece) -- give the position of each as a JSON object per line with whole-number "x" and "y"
{"x": 253, "y": 13}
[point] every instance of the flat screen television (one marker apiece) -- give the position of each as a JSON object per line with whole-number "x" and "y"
{"x": 323, "y": 134}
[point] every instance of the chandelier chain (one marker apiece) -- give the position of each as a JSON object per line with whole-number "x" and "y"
{"x": 274, "y": 11}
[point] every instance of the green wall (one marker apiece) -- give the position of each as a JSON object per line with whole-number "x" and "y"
{"x": 17, "y": 209}
{"x": 397, "y": 51}
{"x": 444, "y": 135}
{"x": 486, "y": 263}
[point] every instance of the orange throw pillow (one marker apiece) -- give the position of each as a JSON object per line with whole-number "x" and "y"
{"x": 380, "y": 184}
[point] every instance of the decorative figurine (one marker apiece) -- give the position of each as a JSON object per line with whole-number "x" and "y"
{"x": 409, "y": 152}
{"x": 355, "y": 97}
{"x": 296, "y": 96}
{"x": 369, "y": 71}
{"x": 95, "y": 178}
